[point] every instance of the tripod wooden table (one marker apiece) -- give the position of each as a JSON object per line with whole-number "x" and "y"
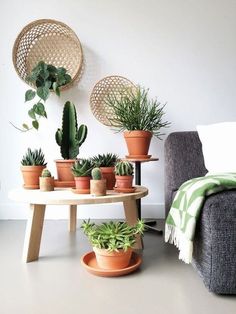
{"x": 137, "y": 162}
{"x": 38, "y": 201}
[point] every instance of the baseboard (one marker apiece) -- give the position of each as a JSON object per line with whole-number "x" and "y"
{"x": 106, "y": 211}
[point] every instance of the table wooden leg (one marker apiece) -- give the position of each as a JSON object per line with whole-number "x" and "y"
{"x": 33, "y": 233}
{"x": 131, "y": 215}
{"x": 73, "y": 218}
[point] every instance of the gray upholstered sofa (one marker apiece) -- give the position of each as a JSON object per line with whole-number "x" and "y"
{"x": 215, "y": 242}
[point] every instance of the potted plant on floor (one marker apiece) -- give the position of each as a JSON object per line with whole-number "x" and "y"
{"x": 82, "y": 174}
{"x": 69, "y": 138}
{"x": 124, "y": 177}
{"x": 112, "y": 242}
{"x": 32, "y": 164}
{"x": 97, "y": 184}
{"x": 45, "y": 78}
{"x": 46, "y": 181}
{"x": 106, "y": 162}
{"x": 139, "y": 117}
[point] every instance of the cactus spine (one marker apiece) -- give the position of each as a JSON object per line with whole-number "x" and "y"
{"x": 96, "y": 174}
{"x": 124, "y": 168}
{"x": 70, "y": 137}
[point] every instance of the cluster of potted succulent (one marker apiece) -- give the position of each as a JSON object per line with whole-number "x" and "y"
{"x": 112, "y": 242}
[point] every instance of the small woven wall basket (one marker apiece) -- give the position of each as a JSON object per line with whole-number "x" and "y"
{"x": 50, "y": 41}
{"x": 111, "y": 85}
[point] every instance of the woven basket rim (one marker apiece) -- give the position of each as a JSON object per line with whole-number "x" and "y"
{"x": 46, "y": 21}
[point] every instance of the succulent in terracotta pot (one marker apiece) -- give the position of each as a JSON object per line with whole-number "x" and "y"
{"x": 46, "y": 181}
{"x": 106, "y": 162}
{"x": 32, "y": 164}
{"x": 81, "y": 170}
{"x": 112, "y": 242}
{"x": 138, "y": 117}
{"x": 97, "y": 184}
{"x": 69, "y": 138}
{"x": 124, "y": 175}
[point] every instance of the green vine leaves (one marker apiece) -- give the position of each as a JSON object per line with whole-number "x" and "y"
{"x": 46, "y": 78}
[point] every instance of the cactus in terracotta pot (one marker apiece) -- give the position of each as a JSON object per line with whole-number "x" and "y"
{"x": 46, "y": 181}
{"x": 124, "y": 176}
{"x": 97, "y": 184}
{"x": 70, "y": 137}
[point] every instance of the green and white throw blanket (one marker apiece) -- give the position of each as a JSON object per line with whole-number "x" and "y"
{"x": 186, "y": 207}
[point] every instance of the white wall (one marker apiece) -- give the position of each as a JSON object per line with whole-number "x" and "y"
{"x": 183, "y": 50}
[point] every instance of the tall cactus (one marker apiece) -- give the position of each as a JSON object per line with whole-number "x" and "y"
{"x": 69, "y": 137}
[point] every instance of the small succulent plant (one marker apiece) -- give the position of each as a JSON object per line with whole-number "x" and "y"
{"x": 46, "y": 173}
{"x": 33, "y": 158}
{"x": 96, "y": 174}
{"x": 112, "y": 236}
{"x": 82, "y": 168}
{"x": 105, "y": 160}
{"x": 124, "y": 168}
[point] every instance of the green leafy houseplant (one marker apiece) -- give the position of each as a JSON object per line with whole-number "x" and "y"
{"x": 112, "y": 236}
{"x": 82, "y": 168}
{"x": 33, "y": 158}
{"x": 46, "y": 78}
{"x": 133, "y": 110}
{"x": 139, "y": 117}
{"x": 105, "y": 160}
{"x": 112, "y": 242}
{"x": 32, "y": 165}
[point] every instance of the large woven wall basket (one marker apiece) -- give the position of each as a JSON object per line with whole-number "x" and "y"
{"x": 50, "y": 41}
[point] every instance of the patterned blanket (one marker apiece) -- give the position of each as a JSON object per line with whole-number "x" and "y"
{"x": 186, "y": 207}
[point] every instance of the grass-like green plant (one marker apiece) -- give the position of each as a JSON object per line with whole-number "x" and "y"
{"x": 112, "y": 236}
{"x": 45, "y": 77}
{"x": 105, "y": 160}
{"x": 33, "y": 158}
{"x": 133, "y": 110}
{"x": 124, "y": 168}
{"x": 82, "y": 168}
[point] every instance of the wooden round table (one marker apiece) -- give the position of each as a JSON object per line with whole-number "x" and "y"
{"x": 38, "y": 201}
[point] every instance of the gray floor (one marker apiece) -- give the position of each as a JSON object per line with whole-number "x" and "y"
{"x": 57, "y": 283}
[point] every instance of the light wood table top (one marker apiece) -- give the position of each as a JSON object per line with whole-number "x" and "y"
{"x": 67, "y": 197}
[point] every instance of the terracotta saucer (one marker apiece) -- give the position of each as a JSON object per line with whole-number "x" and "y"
{"x": 64, "y": 184}
{"x": 125, "y": 190}
{"x": 138, "y": 156}
{"x": 31, "y": 187}
{"x": 80, "y": 191}
{"x": 89, "y": 262}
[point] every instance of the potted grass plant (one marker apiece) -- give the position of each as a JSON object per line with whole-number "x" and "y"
{"x": 138, "y": 117}
{"x": 124, "y": 176}
{"x": 70, "y": 137}
{"x": 32, "y": 165}
{"x": 81, "y": 170}
{"x": 112, "y": 242}
{"x": 106, "y": 162}
{"x": 97, "y": 184}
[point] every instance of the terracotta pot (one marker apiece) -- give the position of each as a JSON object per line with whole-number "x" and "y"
{"x": 82, "y": 183}
{"x": 112, "y": 260}
{"x": 64, "y": 169}
{"x": 124, "y": 182}
{"x": 46, "y": 184}
{"x": 109, "y": 175}
{"x": 31, "y": 176}
{"x": 138, "y": 142}
{"x": 98, "y": 187}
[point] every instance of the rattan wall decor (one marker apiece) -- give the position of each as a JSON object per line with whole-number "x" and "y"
{"x": 111, "y": 85}
{"x": 50, "y": 41}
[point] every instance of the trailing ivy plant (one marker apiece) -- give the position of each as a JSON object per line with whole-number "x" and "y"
{"x": 45, "y": 77}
